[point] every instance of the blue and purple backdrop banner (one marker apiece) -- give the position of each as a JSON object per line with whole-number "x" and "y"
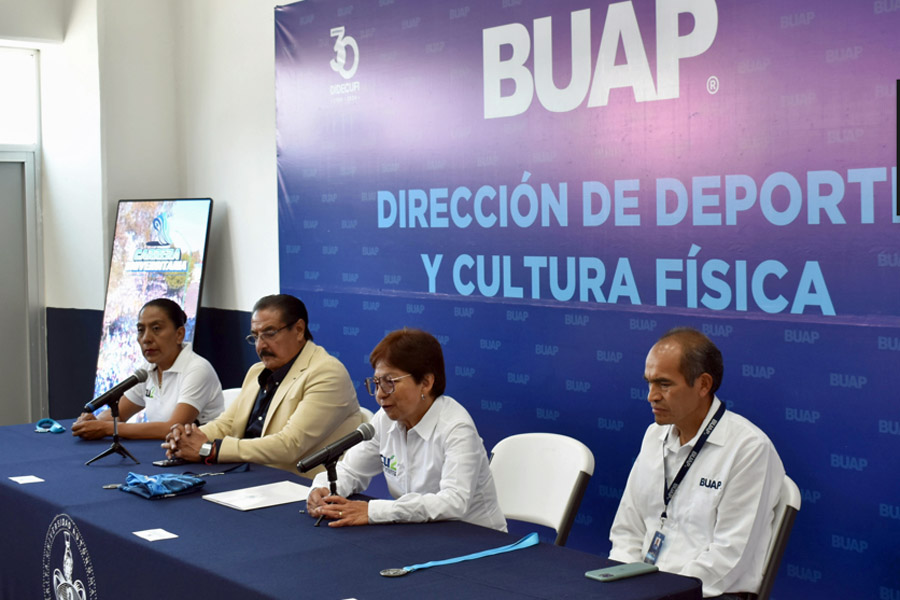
{"x": 549, "y": 186}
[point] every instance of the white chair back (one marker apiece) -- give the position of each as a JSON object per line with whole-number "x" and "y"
{"x": 366, "y": 414}
{"x": 785, "y": 512}
{"x": 230, "y": 394}
{"x": 541, "y": 479}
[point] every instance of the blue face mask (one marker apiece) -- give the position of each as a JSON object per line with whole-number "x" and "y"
{"x": 45, "y": 425}
{"x": 165, "y": 485}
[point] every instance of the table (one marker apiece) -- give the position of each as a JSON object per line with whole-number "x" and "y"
{"x": 272, "y": 553}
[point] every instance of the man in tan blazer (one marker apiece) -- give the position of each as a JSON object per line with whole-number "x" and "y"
{"x": 296, "y": 400}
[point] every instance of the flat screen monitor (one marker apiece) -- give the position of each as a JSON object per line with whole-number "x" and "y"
{"x": 159, "y": 251}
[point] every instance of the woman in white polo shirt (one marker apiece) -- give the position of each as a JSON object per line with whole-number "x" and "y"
{"x": 181, "y": 387}
{"x": 425, "y": 444}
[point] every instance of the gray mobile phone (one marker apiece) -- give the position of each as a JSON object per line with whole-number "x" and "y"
{"x": 169, "y": 462}
{"x": 621, "y": 571}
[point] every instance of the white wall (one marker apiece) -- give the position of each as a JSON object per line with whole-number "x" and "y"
{"x": 75, "y": 243}
{"x": 160, "y": 98}
{"x": 226, "y": 112}
{"x": 33, "y": 20}
{"x": 141, "y": 158}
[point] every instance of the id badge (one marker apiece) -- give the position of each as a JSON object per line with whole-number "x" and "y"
{"x": 655, "y": 546}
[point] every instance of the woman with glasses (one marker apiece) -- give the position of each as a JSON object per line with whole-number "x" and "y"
{"x": 181, "y": 386}
{"x": 425, "y": 444}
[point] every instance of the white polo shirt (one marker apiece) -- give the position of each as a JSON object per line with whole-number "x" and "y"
{"x": 720, "y": 520}
{"x": 190, "y": 379}
{"x": 436, "y": 471}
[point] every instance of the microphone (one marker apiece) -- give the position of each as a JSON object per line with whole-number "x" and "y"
{"x": 116, "y": 391}
{"x": 331, "y": 452}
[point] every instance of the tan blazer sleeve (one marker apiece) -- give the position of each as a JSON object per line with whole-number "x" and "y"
{"x": 314, "y": 406}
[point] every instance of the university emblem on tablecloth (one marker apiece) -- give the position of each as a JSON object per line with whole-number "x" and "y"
{"x": 67, "y": 570}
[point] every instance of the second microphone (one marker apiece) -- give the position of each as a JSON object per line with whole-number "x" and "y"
{"x": 332, "y": 452}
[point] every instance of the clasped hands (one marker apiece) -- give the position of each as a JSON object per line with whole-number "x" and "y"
{"x": 337, "y": 509}
{"x": 89, "y": 427}
{"x": 184, "y": 441}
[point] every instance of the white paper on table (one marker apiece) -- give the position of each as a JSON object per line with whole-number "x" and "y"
{"x": 153, "y": 535}
{"x": 27, "y": 479}
{"x": 261, "y": 496}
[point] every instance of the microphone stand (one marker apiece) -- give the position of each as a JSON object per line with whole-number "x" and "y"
{"x": 331, "y": 469}
{"x": 115, "y": 447}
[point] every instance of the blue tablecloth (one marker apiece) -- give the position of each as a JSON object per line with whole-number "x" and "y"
{"x": 70, "y": 533}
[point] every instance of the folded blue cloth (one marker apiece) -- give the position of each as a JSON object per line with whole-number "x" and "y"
{"x": 45, "y": 425}
{"x": 164, "y": 485}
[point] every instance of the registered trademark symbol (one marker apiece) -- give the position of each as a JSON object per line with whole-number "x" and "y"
{"x": 712, "y": 84}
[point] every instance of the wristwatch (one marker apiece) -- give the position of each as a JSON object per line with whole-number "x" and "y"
{"x": 206, "y": 450}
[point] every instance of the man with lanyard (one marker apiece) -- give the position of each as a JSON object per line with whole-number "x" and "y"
{"x": 701, "y": 495}
{"x": 298, "y": 399}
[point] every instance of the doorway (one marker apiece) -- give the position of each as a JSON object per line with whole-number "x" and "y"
{"x": 22, "y": 332}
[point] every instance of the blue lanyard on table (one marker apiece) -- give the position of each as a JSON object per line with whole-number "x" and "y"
{"x": 669, "y": 490}
{"x": 529, "y": 540}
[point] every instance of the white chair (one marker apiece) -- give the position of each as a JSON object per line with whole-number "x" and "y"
{"x": 785, "y": 512}
{"x": 230, "y": 395}
{"x": 366, "y": 414}
{"x": 541, "y": 479}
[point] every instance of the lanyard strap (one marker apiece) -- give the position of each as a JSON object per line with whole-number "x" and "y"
{"x": 529, "y": 540}
{"x": 238, "y": 468}
{"x": 669, "y": 491}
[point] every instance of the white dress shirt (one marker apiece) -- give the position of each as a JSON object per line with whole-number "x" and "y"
{"x": 720, "y": 519}
{"x": 190, "y": 379}
{"x": 436, "y": 471}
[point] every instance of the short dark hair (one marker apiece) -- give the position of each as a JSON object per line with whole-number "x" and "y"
{"x": 415, "y": 351}
{"x": 171, "y": 308}
{"x": 699, "y": 355}
{"x": 289, "y": 307}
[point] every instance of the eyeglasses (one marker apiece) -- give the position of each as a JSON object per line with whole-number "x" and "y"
{"x": 386, "y": 384}
{"x": 266, "y": 336}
